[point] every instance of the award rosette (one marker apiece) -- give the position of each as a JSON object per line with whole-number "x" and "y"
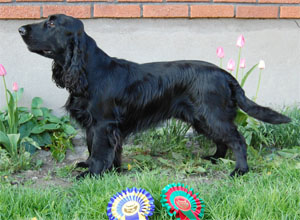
{"x": 130, "y": 204}
{"x": 181, "y": 202}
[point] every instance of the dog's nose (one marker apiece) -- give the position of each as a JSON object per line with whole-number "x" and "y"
{"x": 22, "y": 31}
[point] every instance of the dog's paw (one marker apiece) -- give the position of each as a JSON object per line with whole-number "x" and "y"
{"x": 84, "y": 174}
{"x": 82, "y": 164}
{"x": 88, "y": 173}
{"x": 239, "y": 172}
{"x": 211, "y": 159}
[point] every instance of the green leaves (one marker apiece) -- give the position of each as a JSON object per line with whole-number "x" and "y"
{"x": 241, "y": 118}
{"x": 2, "y": 127}
{"x": 25, "y": 117}
{"x": 10, "y": 142}
{"x": 21, "y": 129}
{"x": 13, "y": 141}
{"x": 290, "y": 153}
{"x": 4, "y": 140}
{"x": 18, "y": 95}
{"x": 43, "y": 139}
{"x": 12, "y": 114}
{"x": 247, "y": 75}
{"x": 68, "y": 129}
{"x": 41, "y": 128}
{"x": 51, "y": 118}
{"x": 30, "y": 141}
{"x": 165, "y": 162}
{"x": 35, "y": 107}
{"x": 60, "y": 143}
{"x": 30, "y": 130}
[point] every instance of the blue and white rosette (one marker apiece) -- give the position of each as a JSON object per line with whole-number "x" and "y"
{"x": 130, "y": 204}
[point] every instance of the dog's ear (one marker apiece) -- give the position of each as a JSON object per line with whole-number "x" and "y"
{"x": 74, "y": 77}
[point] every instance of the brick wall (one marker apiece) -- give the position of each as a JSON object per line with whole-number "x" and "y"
{"x": 35, "y": 9}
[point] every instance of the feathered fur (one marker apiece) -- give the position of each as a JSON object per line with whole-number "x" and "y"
{"x": 112, "y": 98}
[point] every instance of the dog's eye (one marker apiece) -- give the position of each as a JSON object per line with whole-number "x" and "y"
{"x": 50, "y": 24}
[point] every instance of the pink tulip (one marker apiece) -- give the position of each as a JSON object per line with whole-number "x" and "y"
{"x": 243, "y": 63}
{"x": 15, "y": 87}
{"x": 240, "y": 41}
{"x": 231, "y": 65}
{"x": 220, "y": 52}
{"x": 261, "y": 64}
{"x": 2, "y": 70}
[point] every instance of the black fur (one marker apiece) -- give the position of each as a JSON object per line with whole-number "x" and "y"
{"x": 112, "y": 98}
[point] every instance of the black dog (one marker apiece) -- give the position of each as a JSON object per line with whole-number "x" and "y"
{"x": 112, "y": 98}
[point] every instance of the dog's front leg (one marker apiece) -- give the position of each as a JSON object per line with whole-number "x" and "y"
{"x": 89, "y": 142}
{"x": 103, "y": 151}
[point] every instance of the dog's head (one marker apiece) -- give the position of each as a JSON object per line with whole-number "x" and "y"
{"x": 52, "y": 37}
{"x": 61, "y": 38}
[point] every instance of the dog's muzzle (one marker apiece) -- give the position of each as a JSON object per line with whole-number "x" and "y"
{"x": 22, "y": 31}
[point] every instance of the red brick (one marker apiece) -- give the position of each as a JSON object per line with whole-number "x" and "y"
{"x": 280, "y": 1}
{"x": 5, "y": 0}
{"x": 238, "y": 1}
{"x": 289, "y": 12}
{"x": 39, "y": 0}
{"x": 20, "y": 12}
{"x": 140, "y": 0}
{"x": 212, "y": 11}
{"x": 165, "y": 11}
{"x": 78, "y": 11}
{"x": 117, "y": 11}
{"x": 90, "y": 0}
{"x": 257, "y": 12}
{"x": 188, "y": 0}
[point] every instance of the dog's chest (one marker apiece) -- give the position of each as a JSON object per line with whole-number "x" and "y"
{"x": 78, "y": 107}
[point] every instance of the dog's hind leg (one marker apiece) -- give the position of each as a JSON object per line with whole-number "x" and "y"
{"x": 220, "y": 153}
{"x": 225, "y": 134}
{"x": 237, "y": 143}
{"x": 233, "y": 139}
{"x": 222, "y": 148}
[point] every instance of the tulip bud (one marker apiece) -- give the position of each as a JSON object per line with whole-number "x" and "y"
{"x": 261, "y": 64}
{"x": 15, "y": 87}
{"x": 2, "y": 70}
{"x": 231, "y": 65}
{"x": 240, "y": 41}
{"x": 243, "y": 63}
{"x": 220, "y": 52}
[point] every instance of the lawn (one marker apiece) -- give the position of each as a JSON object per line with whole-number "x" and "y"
{"x": 156, "y": 158}
{"x": 270, "y": 194}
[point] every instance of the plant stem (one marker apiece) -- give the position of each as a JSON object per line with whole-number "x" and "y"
{"x": 5, "y": 90}
{"x": 8, "y": 110}
{"x": 238, "y": 64}
{"x": 242, "y": 73}
{"x": 221, "y": 62}
{"x": 16, "y": 124}
{"x": 258, "y": 84}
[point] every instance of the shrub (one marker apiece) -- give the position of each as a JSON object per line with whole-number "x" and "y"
{"x": 23, "y": 130}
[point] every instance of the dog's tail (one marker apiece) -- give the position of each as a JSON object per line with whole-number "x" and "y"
{"x": 264, "y": 114}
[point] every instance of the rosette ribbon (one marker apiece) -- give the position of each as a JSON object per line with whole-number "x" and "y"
{"x": 130, "y": 204}
{"x": 182, "y": 202}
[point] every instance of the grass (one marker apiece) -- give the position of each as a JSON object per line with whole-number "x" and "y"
{"x": 270, "y": 194}
{"x": 274, "y": 136}
{"x": 162, "y": 156}
{"x": 286, "y": 135}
